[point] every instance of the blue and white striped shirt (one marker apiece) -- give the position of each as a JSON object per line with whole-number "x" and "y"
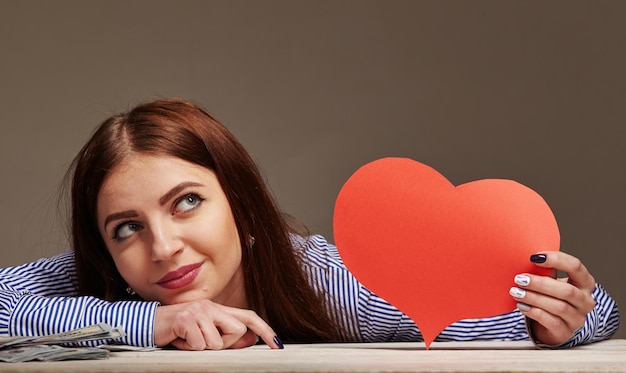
{"x": 39, "y": 298}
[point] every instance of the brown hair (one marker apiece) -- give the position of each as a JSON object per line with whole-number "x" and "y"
{"x": 275, "y": 283}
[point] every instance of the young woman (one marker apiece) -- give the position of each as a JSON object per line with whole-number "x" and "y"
{"x": 177, "y": 239}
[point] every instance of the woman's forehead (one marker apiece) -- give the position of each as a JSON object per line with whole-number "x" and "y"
{"x": 141, "y": 173}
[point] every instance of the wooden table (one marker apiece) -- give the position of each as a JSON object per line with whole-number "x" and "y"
{"x": 606, "y": 356}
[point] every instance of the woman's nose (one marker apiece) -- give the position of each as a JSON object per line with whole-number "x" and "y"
{"x": 165, "y": 242}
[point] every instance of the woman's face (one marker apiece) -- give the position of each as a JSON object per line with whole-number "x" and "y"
{"x": 171, "y": 232}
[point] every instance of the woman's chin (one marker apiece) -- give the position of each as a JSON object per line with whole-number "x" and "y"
{"x": 185, "y": 297}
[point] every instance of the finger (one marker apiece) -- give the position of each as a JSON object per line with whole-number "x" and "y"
{"x": 212, "y": 338}
{"x": 180, "y": 344}
{"x": 255, "y": 323}
{"x": 551, "y": 311}
{"x": 197, "y": 330}
{"x": 189, "y": 338}
{"x": 231, "y": 330}
{"x": 547, "y": 328}
{"x": 247, "y": 340}
{"x": 578, "y": 274}
{"x": 580, "y": 299}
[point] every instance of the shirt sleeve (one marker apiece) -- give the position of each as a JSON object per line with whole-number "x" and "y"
{"x": 40, "y": 298}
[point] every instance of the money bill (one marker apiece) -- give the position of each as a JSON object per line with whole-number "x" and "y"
{"x": 89, "y": 333}
{"x": 59, "y": 346}
{"x": 51, "y": 353}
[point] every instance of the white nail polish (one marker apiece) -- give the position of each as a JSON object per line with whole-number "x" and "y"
{"x": 522, "y": 280}
{"x": 517, "y": 292}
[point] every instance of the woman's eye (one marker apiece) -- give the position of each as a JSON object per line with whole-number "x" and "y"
{"x": 188, "y": 202}
{"x": 125, "y": 230}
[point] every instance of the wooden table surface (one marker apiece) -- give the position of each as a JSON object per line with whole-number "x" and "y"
{"x": 606, "y": 356}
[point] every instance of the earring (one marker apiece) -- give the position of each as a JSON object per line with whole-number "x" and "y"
{"x": 130, "y": 291}
{"x": 251, "y": 241}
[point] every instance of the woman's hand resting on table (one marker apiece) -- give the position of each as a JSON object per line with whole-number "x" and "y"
{"x": 558, "y": 306}
{"x": 204, "y": 325}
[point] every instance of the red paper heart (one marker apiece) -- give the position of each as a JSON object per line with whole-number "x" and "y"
{"x": 437, "y": 252}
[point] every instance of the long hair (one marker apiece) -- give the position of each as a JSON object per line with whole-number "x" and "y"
{"x": 275, "y": 283}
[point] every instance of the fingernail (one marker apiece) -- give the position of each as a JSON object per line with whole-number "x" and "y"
{"x": 538, "y": 258}
{"x": 523, "y": 307}
{"x": 278, "y": 342}
{"x": 517, "y": 292}
{"x": 522, "y": 280}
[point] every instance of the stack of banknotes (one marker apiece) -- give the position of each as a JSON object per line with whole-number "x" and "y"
{"x": 62, "y": 346}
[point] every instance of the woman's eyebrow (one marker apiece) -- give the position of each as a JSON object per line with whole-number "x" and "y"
{"x": 120, "y": 215}
{"x": 175, "y": 190}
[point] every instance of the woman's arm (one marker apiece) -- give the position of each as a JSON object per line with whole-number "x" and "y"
{"x": 39, "y": 298}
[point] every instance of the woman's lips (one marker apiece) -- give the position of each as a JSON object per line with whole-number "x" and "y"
{"x": 180, "y": 277}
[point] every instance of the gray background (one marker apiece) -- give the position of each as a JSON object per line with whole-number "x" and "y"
{"x": 532, "y": 91}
